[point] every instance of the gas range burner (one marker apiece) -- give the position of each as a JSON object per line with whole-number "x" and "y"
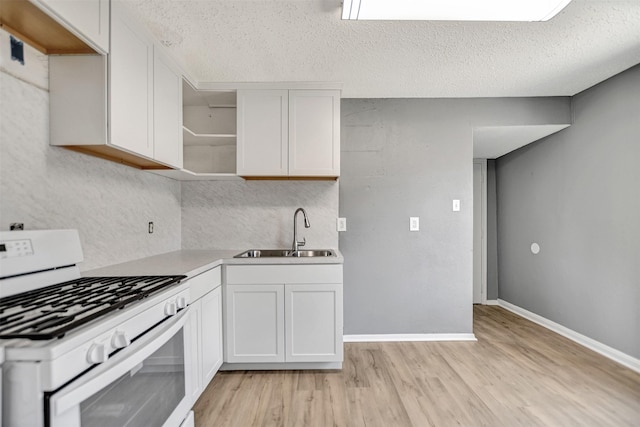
{"x": 52, "y": 311}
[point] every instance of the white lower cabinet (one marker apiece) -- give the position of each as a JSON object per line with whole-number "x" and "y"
{"x": 195, "y": 321}
{"x": 206, "y": 329}
{"x": 313, "y": 322}
{"x": 255, "y": 323}
{"x": 288, "y": 314}
{"x": 211, "y": 334}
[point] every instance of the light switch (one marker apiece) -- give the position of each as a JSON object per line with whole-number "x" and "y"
{"x": 456, "y": 205}
{"x": 341, "y": 224}
{"x": 414, "y": 223}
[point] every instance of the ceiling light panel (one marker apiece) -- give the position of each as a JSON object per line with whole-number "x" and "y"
{"x": 452, "y": 10}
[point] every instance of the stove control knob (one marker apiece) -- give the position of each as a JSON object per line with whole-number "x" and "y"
{"x": 171, "y": 308}
{"x": 97, "y": 353}
{"x": 120, "y": 339}
{"x": 182, "y": 302}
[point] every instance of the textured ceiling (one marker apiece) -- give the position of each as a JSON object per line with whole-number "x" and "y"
{"x": 305, "y": 40}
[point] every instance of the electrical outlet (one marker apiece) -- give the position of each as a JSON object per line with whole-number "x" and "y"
{"x": 341, "y": 224}
{"x": 456, "y": 205}
{"x": 150, "y": 227}
{"x": 414, "y": 223}
{"x": 17, "y": 50}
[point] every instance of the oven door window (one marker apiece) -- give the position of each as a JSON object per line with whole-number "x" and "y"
{"x": 145, "y": 384}
{"x": 144, "y": 396}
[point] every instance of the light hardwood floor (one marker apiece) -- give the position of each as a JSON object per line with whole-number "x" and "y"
{"x": 517, "y": 374}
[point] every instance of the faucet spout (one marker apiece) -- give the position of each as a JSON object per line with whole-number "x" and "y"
{"x": 307, "y": 224}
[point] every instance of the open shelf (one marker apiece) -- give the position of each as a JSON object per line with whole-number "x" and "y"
{"x": 187, "y": 175}
{"x": 191, "y": 138}
{"x": 209, "y": 135}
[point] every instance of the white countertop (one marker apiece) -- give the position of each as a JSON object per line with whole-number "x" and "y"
{"x": 193, "y": 262}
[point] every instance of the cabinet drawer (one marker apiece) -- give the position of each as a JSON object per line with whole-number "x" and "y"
{"x": 280, "y": 274}
{"x": 205, "y": 282}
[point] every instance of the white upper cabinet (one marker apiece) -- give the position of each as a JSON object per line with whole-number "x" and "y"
{"x": 88, "y": 19}
{"x": 293, "y": 133}
{"x": 125, "y": 107}
{"x": 314, "y": 133}
{"x": 263, "y": 140}
{"x": 130, "y": 87}
{"x": 167, "y": 111}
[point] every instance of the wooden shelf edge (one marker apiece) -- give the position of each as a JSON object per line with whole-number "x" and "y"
{"x": 32, "y": 25}
{"x": 113, "y": 154}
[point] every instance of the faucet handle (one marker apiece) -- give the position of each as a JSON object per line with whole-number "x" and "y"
{"x": 304, "y": 242}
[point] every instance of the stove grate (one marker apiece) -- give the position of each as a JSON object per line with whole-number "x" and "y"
{"x": 52, "y": 311}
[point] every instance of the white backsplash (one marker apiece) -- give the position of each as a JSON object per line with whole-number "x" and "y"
{"x": 257, "y": 214}
{"x": 50, "y": 187}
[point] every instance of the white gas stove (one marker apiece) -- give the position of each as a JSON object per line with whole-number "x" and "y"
{"x": 88, "y": 351}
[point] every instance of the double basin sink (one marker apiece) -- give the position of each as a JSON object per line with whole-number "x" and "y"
{"x": 285, "y": 253}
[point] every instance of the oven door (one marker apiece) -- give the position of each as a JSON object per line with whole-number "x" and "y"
{"x": 145, "y": 384}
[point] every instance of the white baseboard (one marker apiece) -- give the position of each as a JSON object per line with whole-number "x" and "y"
{"x": 603, "y": 349}
{"x": 409, "y": 337}
{"x": 492, "y": 302}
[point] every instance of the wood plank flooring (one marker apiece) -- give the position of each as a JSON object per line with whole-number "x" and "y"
{"x": 517, "y": 374}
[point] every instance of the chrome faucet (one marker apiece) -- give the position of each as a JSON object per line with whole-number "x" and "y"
{"x": 296, "y": 243}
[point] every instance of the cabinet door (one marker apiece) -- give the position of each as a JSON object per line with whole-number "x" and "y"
{"x": 130, "y": 87}
{"x": 167, "y": 112}
{"x": 313, "y": 319}
{"x": 262, "y": 134}
{"x": 211, "y": 335}
{"x": 314, "y": 133}
{"x": 196, "y": 353}
{"x": 254, "y": 323}
{"x": 89, "y": 19}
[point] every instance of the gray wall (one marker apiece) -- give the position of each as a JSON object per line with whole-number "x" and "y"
{"x": 51, "y": 187}
{"x": 576, "y": 194}
{"x": 492, "y": 232}
{"x": 257, "y": 214}
{"x": 411, "y": 157}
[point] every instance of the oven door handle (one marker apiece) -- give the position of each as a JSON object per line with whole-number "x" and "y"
{"x": 123, "y": 362}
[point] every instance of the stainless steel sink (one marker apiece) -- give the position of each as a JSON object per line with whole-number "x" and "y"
{"x": 312, "y": 253}
{"x": 282, "y": 253}
{"x": 262, "y": 253}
